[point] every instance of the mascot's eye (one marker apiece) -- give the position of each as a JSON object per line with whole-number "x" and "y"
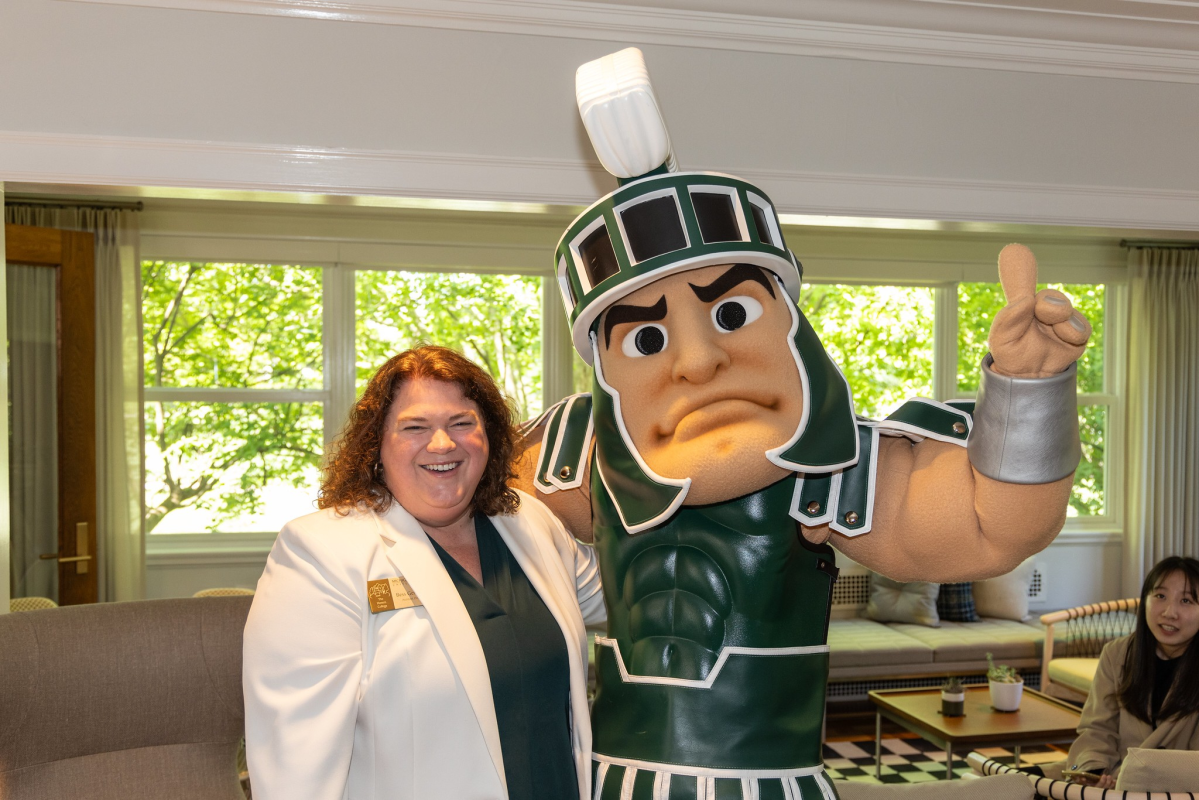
{"x": 644, "y": 340}
{"x": 736, "y": 312}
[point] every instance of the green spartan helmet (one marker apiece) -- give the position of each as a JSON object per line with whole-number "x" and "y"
{"x": 660, "y": 222}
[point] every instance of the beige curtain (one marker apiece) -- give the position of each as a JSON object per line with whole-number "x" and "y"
{"x": 1163, "y": 410}
{"x": 33, "y": 403}
{"x": 120, "y": 536}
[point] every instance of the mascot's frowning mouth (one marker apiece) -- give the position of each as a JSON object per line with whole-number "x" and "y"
{"x": 690, "y": 419}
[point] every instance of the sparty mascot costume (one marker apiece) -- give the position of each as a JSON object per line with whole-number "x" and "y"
{"x": 718, "y": 459}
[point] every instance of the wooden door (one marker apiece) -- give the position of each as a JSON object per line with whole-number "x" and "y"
{"x": 72, "y": 256}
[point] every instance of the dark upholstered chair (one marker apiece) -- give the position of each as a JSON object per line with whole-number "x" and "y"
{"x": 123, "y": 701}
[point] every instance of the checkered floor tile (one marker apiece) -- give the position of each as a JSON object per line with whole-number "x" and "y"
{"x": 912, "y": 760}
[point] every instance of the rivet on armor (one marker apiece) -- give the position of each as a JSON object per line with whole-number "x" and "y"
{"x": 959, "y": 427}
{"x": 564, "y": 473}
{"x": 851, "y": 517}
{"x": 813, "y": 507}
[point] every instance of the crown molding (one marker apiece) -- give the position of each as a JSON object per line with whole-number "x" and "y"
{"x": 1038, "y": 36}
{"x": 221, "y": 167}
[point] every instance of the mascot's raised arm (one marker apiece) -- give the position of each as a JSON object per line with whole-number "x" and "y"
{"x": 718, "y": 456}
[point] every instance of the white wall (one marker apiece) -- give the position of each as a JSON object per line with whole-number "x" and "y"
{"x": 451, "y": 103}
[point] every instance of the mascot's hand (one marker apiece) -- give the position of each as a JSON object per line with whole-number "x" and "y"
{"x": 1037, "y": 334}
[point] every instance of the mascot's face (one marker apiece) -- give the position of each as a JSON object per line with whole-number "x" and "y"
{"x": 706, "y": 378}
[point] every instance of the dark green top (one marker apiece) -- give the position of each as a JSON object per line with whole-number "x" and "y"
{"x": 529, "y": 667}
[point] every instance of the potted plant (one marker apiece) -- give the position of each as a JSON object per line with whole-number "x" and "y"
{"x": 1006, "y": 686}
{"x": 953, "y": 698}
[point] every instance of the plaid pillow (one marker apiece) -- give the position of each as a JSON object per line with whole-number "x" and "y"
{"x": 955, "y": 603}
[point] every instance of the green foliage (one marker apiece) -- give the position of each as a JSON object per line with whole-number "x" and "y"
{"x": 952, "y": 685}
{"x": 1001, "y": 673}
{"x": 228, "y": 326}
{"x": 231, "y": 325}
{"x": 880, "y": 336}
{"x": 979, "y": 302}
{"x": 494, "y": 320}
{"x": 243, "y": 326}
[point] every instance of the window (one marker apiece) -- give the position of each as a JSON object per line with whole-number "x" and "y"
{"x": 241, "y": 391}
{"x": 250, "y": 367}
{"x": 233, "y": 373}
{"x": 495, "y": 320}
{"x": 880, "y": 336}
{"x": 883, "y": 338}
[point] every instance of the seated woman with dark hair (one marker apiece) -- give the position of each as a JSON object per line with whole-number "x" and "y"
{"x": 1146, "y": 689}
{"x": 422, "y": 636}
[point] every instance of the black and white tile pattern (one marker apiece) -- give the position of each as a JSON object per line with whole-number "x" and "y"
{"x": 913, "y": 760}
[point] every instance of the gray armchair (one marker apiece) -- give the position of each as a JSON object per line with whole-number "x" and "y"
{"x": 123, "y": 701}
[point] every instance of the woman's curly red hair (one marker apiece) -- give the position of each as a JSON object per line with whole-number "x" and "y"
{"x": 352, "y": 478}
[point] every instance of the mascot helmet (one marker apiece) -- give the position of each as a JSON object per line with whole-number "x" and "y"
{"x": 660, "y": 222}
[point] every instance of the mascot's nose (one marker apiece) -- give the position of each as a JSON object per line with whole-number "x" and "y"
{"x": 698, "y": 359}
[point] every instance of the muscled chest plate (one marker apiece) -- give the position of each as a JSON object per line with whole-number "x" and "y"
{"x": 735, "y": 574}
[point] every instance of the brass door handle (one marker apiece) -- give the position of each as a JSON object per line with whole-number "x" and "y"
{"x": 80, "y": 548}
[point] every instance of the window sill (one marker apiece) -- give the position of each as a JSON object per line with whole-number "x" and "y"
{"x": 167, "y": 549}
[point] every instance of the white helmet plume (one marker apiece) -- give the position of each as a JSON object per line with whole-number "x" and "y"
{"x": 621, "y": 115}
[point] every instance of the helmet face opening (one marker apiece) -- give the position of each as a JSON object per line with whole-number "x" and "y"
{"x": 660, "y": 225}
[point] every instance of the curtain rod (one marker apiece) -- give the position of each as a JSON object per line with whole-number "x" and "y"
{"x": 1164, "y": 243}
{"x": 58, "y": 202}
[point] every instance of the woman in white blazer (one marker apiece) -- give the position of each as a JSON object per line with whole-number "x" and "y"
{"x": 422, "y": 636}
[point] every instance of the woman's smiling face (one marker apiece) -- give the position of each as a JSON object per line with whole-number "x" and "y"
{"x": 434, "y": 451}
{"x": 1172, "y": 613}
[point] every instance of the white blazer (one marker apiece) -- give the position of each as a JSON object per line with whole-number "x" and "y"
{"x": 343, "y": 703}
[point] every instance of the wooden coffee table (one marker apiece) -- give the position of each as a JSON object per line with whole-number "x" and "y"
{"x": 1040, "y": 720}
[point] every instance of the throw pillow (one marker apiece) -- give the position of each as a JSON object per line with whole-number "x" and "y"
{"x": 1005, "y": 597}
{"x": 1147, "y": 770}
{"x": 955, "y": 603}
{"x": 892, "y": 601}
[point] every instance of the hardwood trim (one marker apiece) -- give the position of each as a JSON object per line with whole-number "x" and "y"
{"x": 41, "y": 247}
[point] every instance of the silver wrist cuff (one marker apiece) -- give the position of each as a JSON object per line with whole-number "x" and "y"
{"x": 1025, "y": 429}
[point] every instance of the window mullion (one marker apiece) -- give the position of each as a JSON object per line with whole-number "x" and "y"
{"x": 338, "y": 339}
{"x": 945, "y": 342}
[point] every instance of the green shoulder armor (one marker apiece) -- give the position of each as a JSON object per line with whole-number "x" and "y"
{"x": 845, "y": 498}
{"x": 566, "y": 444}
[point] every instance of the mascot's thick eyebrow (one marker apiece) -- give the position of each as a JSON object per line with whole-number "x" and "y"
{"x": 617, "y": 315}
{"x": 738, "y": 273}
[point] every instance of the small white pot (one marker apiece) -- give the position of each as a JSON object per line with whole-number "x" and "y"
{"x": 1006, "y": 696}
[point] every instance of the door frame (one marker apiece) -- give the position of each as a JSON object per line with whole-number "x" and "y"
{"x": 72, "y": 255}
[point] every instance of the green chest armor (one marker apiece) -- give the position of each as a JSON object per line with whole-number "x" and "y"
{"x": 716, "y": 658}
{"x": 716, "y": 651}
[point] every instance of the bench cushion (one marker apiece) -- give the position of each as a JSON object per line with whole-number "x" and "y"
{"x": 1005, "y": 639}
{"x": 863, "y": 642}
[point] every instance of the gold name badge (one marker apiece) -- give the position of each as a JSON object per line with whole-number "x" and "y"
{"x": 388, "y": 594}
